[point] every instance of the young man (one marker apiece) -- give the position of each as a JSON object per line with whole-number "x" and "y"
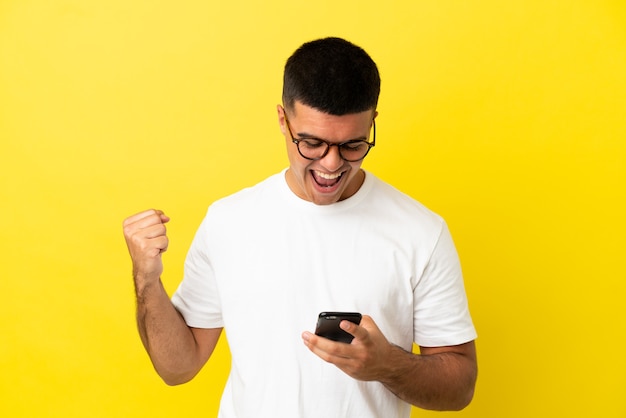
{"x": 322, "y": 235}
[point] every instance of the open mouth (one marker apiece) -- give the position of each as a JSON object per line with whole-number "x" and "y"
{"x": 326, "y": 180}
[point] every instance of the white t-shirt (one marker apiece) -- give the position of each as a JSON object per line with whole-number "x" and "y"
{"x": 263, "y": 265}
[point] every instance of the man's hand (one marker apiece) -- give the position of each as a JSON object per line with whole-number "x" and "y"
{"x": 440, "y": 378}
{"x": 363, "y": 359}
{"x": 146, "y": 239}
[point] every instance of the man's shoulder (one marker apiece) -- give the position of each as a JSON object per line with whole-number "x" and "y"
{"x": 390, "y": 198}
{"x": 263, "y": 192}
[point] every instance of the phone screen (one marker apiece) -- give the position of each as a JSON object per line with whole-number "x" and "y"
{"x": 328, "y": 325}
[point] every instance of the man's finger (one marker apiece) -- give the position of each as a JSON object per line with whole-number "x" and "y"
{"x": 154, "y": 231}
{"x": 147, "y": 217}
{"x": 358, "y": 331}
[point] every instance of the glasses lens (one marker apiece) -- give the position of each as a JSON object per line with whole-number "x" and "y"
{"x": 355, "y": 150}
{"x": 311, "y": 148}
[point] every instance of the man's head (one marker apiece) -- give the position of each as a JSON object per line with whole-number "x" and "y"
{"x": 330, "y": 95}
{"x": 333, "y": 76}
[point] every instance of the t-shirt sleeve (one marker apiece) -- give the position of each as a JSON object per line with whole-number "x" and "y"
{"x": 197, "y": 297}
{"x": 441, "y": 313}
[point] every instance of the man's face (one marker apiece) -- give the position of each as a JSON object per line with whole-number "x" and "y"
{"x": 331, "y": 178}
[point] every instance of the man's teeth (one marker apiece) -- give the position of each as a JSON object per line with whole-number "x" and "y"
{"x": 328, "y": 176}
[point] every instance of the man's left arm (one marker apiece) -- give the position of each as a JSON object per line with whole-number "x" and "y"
{"x": 439, "y": 378}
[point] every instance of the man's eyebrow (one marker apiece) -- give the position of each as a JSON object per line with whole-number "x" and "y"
{"x": 306, "y": 135}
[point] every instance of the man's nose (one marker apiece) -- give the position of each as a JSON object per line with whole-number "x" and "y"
{"x": 332, "y": 161}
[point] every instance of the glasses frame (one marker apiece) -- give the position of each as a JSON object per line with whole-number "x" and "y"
{"x": 330, "y": 144}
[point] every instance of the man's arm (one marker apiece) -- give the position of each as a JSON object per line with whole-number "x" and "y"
{"x": 440, "y": 378}
{"x": 177, "y": 351}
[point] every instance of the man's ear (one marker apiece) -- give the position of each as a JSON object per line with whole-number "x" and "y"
{"x": 281, "y": 119}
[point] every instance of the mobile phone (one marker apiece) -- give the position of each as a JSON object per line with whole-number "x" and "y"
{"x": 328, "y": 325}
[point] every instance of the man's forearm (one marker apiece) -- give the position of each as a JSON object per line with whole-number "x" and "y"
{"x": 438, "y": 381}
{"x": 165, "y": 335}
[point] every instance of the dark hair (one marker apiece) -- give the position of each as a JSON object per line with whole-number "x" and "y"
{"x": 331, "y": 75}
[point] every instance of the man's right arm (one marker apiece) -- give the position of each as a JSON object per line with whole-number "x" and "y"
{"x": 177, "y": 351}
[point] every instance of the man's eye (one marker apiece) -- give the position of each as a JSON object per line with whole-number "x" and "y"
{"x": 354, "y": 146}
{"x": 312, "y": 143}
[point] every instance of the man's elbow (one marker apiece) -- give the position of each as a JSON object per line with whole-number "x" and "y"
{"x": 174, "y": 381}
{"x": 174, "y": 377}
{"x": 460, "y": 395}
{"x": 466, "y": 395}
{"x": 464, "y": 400}
{"x": 453, "y": 403}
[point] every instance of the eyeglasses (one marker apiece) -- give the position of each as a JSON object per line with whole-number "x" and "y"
{"x": 316, "y": 149}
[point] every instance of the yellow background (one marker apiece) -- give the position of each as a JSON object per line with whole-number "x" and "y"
{"x": 506, "y": 117}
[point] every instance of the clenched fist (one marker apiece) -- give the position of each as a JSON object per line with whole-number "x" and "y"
{"x": 146, "y": 238}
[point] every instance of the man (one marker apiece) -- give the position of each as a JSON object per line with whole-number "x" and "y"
{"x": 323, "y": 235}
